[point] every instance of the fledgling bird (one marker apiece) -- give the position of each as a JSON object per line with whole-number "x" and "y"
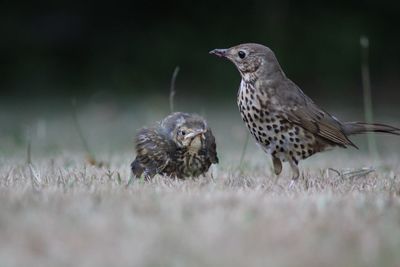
{"x": 181, "y": 145}
{"x": 284, "y": 121}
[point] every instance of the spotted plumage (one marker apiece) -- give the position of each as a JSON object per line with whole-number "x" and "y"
{"x": 271, "y": 128}
{"x": 283, "y": 120}
{"x": 181, "y": 145}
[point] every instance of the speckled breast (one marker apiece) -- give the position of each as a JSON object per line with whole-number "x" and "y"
{"x": 190, "y": 164}
{"x": 270, "y": 127}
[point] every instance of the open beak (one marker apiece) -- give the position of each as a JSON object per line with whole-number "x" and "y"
{"x": 219, "y": 52}
{"x": 195, "y": 133}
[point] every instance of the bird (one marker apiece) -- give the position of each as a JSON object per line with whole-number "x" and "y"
{"x": 180, "y": 145}
{"x": 284, "y": 121}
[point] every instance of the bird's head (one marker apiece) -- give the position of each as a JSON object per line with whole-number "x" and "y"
{"x": 252, "y": 60}
{"x": 189, "y": 137}
{"x": 186, "y": 130}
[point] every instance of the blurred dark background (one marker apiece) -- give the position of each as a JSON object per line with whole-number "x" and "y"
{"x": 128, "y": 50}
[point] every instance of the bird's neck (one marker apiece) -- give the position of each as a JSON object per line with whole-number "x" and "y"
{"x": 264, "y": 74}
{"x": 249, "y": 77}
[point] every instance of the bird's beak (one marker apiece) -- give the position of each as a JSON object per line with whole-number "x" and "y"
{"x": 219, "y": 52}
{"x": 195, "y": 133}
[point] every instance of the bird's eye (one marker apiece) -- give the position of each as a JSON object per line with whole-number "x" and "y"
{"x": 241, "y": 54}
{"x": 183, "y": 132}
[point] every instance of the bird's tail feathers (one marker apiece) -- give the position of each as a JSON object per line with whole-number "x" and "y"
{"x": 136, "y": 168}
{"x": 351, "y": 128}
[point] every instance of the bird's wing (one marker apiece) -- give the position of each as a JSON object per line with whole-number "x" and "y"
{"x": 211, "y": 147}
{"x": 153, "y": 149}
{"x": 301, "y": 110}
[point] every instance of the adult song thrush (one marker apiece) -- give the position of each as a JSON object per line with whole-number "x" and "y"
{"x": 284, "y": 121}
{"x": 181, "y": 145}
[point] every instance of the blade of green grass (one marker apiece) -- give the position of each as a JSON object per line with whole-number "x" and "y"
{"x": 172, "y": 91}
{"x": 242, "y": 155}
{"x": 366, "y": 82}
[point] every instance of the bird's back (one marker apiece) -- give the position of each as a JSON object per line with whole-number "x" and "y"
{"x": 157, "y": 151}
{"x": 154, "y": 149}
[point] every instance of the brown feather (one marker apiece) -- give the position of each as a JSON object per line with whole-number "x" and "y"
{"x": 302, "y": 111}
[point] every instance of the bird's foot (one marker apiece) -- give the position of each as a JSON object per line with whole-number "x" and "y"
{"x": 292, "y": 183}
{"x": 296, "y": 174}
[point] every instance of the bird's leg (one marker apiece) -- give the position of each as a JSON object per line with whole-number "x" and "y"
{"x": 277, "y": 165}
{"x": 296, "y": 173}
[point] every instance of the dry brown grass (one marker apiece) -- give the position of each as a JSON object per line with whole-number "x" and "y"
{"x": 62, "y": 212}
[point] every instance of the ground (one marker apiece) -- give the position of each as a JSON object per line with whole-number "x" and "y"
{"x": 59, "y": 210}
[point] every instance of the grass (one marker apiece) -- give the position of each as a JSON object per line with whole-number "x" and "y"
{"x": 58, "y": 210}
{"x": 367, "y": 93}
